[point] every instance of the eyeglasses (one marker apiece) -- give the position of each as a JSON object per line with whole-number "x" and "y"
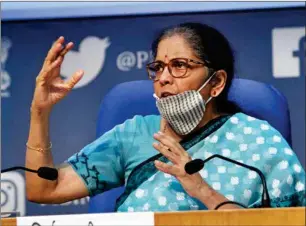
{"x": 177, "y": 67}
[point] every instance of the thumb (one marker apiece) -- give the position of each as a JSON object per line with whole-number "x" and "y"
{"x": 75, "y": 79}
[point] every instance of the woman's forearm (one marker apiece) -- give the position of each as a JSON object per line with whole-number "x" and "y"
{"x": 211, "y": 198}
{"x": 38, "y": 138}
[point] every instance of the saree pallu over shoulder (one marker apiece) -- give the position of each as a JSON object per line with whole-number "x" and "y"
{"x": 146, "y": 169}
{"x": 239, "y": 137}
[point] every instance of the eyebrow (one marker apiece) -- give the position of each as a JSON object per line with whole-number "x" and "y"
{"x": 188, "y": 57}
{"x": 173, "y": 58}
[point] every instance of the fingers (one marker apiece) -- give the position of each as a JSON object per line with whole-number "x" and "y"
{"x": 47, "y": 69}
{"x": 54, "y": 50}
{"x": 67, "y": 48}
{"x": 171, "y": 143}
{"x": 57, "y": 50}
{"x": 166, "y": 168}
{"x": 61, "y": 55}
{"x": 54, "y": 60}
{"x": 165, "y": 151}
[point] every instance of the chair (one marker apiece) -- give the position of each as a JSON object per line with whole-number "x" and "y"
{"x": 130, "y": 98}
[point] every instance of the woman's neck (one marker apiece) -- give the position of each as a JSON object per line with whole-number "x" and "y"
{"x": 208, "y": 116}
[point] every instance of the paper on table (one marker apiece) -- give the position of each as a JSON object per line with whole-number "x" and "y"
{"x": 141, "y": 218}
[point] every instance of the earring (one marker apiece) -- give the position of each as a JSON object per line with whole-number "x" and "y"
{"x": 214, "y": 93}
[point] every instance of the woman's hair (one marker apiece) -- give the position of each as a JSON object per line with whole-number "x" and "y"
{"x": 210, "y": 46}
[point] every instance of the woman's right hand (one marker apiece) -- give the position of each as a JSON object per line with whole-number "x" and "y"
{"x": 50, "y": 87}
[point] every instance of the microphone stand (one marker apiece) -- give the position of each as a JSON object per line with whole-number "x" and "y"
{"x": 17, "y": 168}
{"x": 43, "y": 172}
{"x": 197, "y": 164}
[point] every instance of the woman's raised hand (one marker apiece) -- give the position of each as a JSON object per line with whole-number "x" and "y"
{"x": 50, "y": 87}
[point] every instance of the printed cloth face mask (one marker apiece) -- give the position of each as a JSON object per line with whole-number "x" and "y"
{"x": 185, "y": 110}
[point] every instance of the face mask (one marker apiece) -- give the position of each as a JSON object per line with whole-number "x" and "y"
{"x": 183, "y": 111}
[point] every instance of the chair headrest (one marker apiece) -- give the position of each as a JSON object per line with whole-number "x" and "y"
{"x": 257, "y": 99}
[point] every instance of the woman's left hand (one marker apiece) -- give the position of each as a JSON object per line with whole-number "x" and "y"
{"x": 173, "y": 151}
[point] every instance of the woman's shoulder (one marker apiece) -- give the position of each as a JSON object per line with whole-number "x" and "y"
{"x": 246, "y": 121}
{"x": 243, "y": 117}
{"x": 253, "y": 128}
{"x": 263, "y": 145}
{"x": 143, "y": 119}
{"x": 140, "y": 123}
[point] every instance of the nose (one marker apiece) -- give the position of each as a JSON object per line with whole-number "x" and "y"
{"x": 165, "y": 78}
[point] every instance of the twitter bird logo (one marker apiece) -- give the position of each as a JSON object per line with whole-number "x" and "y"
{"x": 90, "y": 58}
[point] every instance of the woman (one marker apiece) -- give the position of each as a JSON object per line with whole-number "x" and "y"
{"x": 191, "y": 74}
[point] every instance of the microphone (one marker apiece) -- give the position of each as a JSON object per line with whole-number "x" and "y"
{"x": 197, "y": 164}
{"x": 43, "y": 172}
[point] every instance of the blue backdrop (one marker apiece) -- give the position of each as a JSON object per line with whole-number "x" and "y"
{"x": 112, "y": 50}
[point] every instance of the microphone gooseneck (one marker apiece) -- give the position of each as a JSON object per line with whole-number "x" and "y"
{"x": 197, "y": 164}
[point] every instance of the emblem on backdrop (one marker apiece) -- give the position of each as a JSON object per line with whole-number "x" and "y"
{"x": 6, "y": 80}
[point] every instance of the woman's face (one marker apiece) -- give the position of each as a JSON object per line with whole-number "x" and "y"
{"x": 176, "y": 47}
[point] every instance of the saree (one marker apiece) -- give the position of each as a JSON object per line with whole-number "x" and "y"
{"x": 239, "y": 137}
{"x": 124, "y": 156}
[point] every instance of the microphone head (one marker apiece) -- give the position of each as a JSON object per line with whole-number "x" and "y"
{"x": 194, "y": 166}
{"x": 47, "y": 173}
